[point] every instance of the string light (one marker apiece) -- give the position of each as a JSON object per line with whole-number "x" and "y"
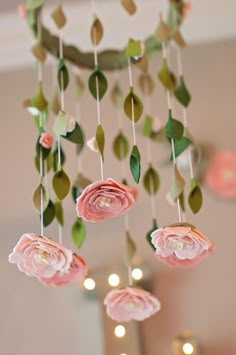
{"x": 113, "y": 280}
{"x": 89, "y": 284}
{"x": 120, "y": 331}
{"x": 188, "y": 348}
{"x": 137, "y": 274}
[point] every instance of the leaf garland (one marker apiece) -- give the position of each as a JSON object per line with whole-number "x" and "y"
{"x": 147, "y": 126}
{"x": 180, "y": 146}
{"x": 117, "y": 96}
{"x": 44, "y": 151}
{"x": 61, "y": 184}
{"x": 129, "y": 6}
{"x": 165, "y": 76}
{"x": 130, "y": 249}
{"x": 151, "y": 181}
{"x": 58, "y": 17}
{"x": 133, "y": 49}
{"x": 195, "y": 197}
{"x": 61, "y": 123}
{"x": 80, "y": 183}
{"x": 100, "y": 140}
{"x": 78, "y": 232}
{"x": 55, "y": 157}
{"x": 59, "y": 212}
{"x": 76, "y": 136}
{"x": 162, "y": 31}
{"x": 49, "y": 214}
{"x": 135, "y": 163}
{"x": 62, "y": 75}
{"x": 39, "y": 101}
{"x": 37, "y": 197}
{"x": 149, "y": 233}
{"x": 174, "y": 129}
{"x": 137, "y": 104}
{"x": 96, "y": 33}
{"x": 120, "y": 146}
{"x": 146, "y": 84}
{"x": 181, "y": 93}
{"x": 99, "y": 77}
{"x": 177, "y": 185}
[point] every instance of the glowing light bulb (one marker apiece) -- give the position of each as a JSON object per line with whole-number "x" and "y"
{"x": 188, "y": 348}
{"x": 113, "y": 280}
{"x": 123, "y": 354}
{"x": 119, "y": 331}
{"x": 89, "y": 284}
{"x": 137, "y": 274}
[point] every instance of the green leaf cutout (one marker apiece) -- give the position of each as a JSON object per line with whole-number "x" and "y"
{"x": 182, "y": 201}
{"x": 117, "y": 96}
{"x": 120, "y": 146}
{"x": 76, "y": 136}
{"x": 55, "y": 105}
{"x": 78, "y": 233}
{"x": 96, "y": 33}
{"x": 100, "y": 140}
{"x": 41, "y": 119}
{"x": 164, "y": 76}
{"x": 177, "y": 185}
{"x": 174, "y": 129}
{"x": 60, "y": 124}
{"x": 39, "y": 100}
{"x": 129, "y": 6}
{"x": 146, "y": 84}
{"x": 44, "y": 151}
{"x": 151, "y": 181}
{"x": 135, "y": 165}
{"x": 59, "y": 17}
{"x": 133, "y": 49}
{"x": 181, "y": 93}
{"x": 180, "y": 146}
{"x": 133, "y": 106}
{"x": 49, "y": 214}
{"x": 49, "y": 163}
{"x": 195, "y": 197}
{"x": 37, "y": 197}
{"x": 149, "y": 233}
{"x": 178, "y": 38}
{"x": 79, "y": 87}
{"x": 34, "y": 4}
{"x": 162, "y": 31}
{"x": 130, "y": 249}
{"x": 55, "y": 158}
{"x": 61, "y": 184}
{"x": 59, "y": 212}
{"x": 147, "y": 126}
{"x": 62, "y": 75}
{"x": 39, "y": 52}
{"x": 97, "y": 84}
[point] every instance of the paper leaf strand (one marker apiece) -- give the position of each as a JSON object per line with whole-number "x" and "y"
{"x": 37, "y": 197}
{"x": 80, "y": 183}
{"x": 178, "y": 183}
{"x": 96, "y": 33}
{"x": 61, "y": 184}
{"x": 62, "y": 75}
{"x": 146, "y": 84}
{"x": 137, "y": 106}
{"x": 49, "y": 214}
{"x": 99, "y": 77}
{"x": 59, "y": 17}
{"x": 44, "y": 151}
{"x": 147, "y": 126}
{"x": 39, "y": 100}
{"x": 148, "y": 235}
{"x": 135, "y": 164}
{"x": 49, "y": 163}
{"x": 117, "y": 96}
{"x": 182, "y": 201}
{"x": 39, "y": 52}
{"x": 100, "y": 140}
{"x": 55, "y": 158}
{"x": 130, "y": 249}
{"x": 55, "y": 105}
{"x": 34, "y": 4}
{"x": 162, "y": 31}
{"x": 178, "y": 38}
{"x": 76, "y": 136}
{"x": 59, "y": 212}
{"x": 120, "y": 146}
{"x": 165, "y": 77}
{"x": 180, "y": 146}
{"x": 78, "y": 233}
{"x": 174, "y": 129}
{"x": 181, "y": 93}
{"x": 151, "y": 181}
{"x": 133, "y": 49}
{"x": 142, "y": 63}
{"x": 195, "y": 197}
{"x": 129, "y": 6}
{"x": 79, "y": 87}
{"x": 60, "y": 124}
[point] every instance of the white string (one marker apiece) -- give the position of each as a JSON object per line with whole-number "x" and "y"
{"x": 78, "y": 117}
{"x": 130, "y": 275}
{"x": 60, "y": 233}
{"x": 132, "y": 101}
{"x": 41, "y": 179}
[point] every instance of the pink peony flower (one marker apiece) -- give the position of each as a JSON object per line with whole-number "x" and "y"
{"x": 131, "y": 303}
{"x": 180, "y": 245}
{"x": 71, "y": 124}
{"x": 22, "y": 10}
{"x": 92, "y": 144}
{"x": 221, "y": 174}
{"x": 46, "y": 140}
{"x": 105, "y": 199}
{"x": 40, "y": 256}
{"x": 76, "y": 273}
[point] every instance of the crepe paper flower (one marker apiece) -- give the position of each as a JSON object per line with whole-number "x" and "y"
{"x": 40, "y": 256}
{"x": 71, "y": 124}
{"x": 131, "y": 303}
{"x": 180, "y": 245}
{"x": 157, "y": 124}
{"x": 76, "y": 273}
{"x": 22, "y": 10}
{"x": 92, "y": 144}
{"x": 46, "y": 140}
{"x": 186, "y": 8}
{"x": 105, "y": 199}
{"x": 221, "y": 174}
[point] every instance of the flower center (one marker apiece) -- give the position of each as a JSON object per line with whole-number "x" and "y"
{"x": 41, "y": 257}
{"x": 105, "y": 201}
{"x": 177, "y": 244}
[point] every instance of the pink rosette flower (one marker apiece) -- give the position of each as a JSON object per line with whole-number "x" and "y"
{"x": 46, "y": 140}
{"x": 221, "y": 174}
{"x": 105, "y": 199}
{"x": 40, "y": 256}
{"x": 71, "y": 124}
{"x": 131, "y": 303}
{"x": 181, "y": 245}
{"x": 76, "y": 273}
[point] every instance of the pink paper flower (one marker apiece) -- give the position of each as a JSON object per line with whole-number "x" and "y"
{"x": 76, "y": 273}
{"x": 40, "y": 256}
{"x": 71, "y": 124}
{"x": 221, "y": 174}
{"x": 22, "y": 10}
{"x": 46, "y": 140}
{"x": 105, "y": 199}
{"x": 180, "y": 245}
{"x": 131, "y": 303}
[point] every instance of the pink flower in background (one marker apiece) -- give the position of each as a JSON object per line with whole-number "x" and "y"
{"x": 22, "y": 10}
{"x": 180, "y": 245}
{"x": 76, "y": 273}
{"x": 40, "y": 256}
{"x": 186, "y": 8}
{"x": 46, "y": 140}
{"x": 131, "y": 303}
{"x": 221, "y": 174}
{"x": 71, "y": 124}
{"x": 105, "y": 199}
{"x": 157, "y": 124}
{"x": 92, "y": 144}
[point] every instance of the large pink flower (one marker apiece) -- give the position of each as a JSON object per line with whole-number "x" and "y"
{"x": 221, "y": 174}
{"x": 76, "y": 273}
{"x": 105, "y": 199}
{"x": 40, "y": 256}
{"x": 131, "y": 303}
{"x": 181, "y": 245}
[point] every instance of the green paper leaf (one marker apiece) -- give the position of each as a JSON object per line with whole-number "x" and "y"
{"x": 180, "y": 146}
{"x": 129, "y": 6}
{"x": 76, "y": 136}
{"x": 178, "y": 38}
{"x": 151, "y": 181}
{"x": 41, "y": 119}
{"x": 39, "y": 100}
{"x": 149, "y": 233}
{"x": 61, "y": 184}
{"x": 133, "y": 49}
{"x": 79, "y": 87}
{"x": 78, "y": 233}
{"x": 45, "y": 152}
{"x": 147, "y": 126}
{"x": 39, "y": 52}
{"x": 60, "y": 124}
{"x": 80, "y": 183}
{"x": 174, "y": 129}
{"x": 55, "y": 158}
{"x": 100, "y": 140}
{"x": 117, "y": 96}
{"x": 130, "y": 249}
{"x": 146, "y": 84}
{"x": 162, "y": 31}
{"x": 125, "y": 182}
{"x": 195, "y": 197}
{"x": 34, "y": 4}
{"x": 181, "y": 93}
{"x": 96, "y": 33}
{"x": 182, "y": 201}
{"x": 97, "y": 83}
{"x": 37, "y": 197}
{"x": 59, "y": 212}
{"x": 132, "y": 100}
{"x": 55, "y": 105}
{"x": 135, "y": 165}
{"x": 177, "y": 185}
{"x": 120, "y": 146}
{"x": 49, "y": 214}
{"x": 62, "y": 75}
{"x": 164, "y": 76}
{"x": 59, "y": 17}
